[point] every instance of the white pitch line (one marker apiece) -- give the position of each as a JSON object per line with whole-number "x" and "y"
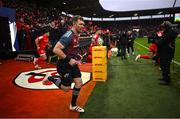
{"x": 147, "y": 49}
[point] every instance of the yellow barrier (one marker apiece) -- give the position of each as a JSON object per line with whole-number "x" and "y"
{"x": 99, "y": 51}
{"x": 99, "y": 63}
{"x": 100, "y": 76}
{"x": 100, "y": 68}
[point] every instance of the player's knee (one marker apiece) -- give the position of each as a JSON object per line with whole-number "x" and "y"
{"x": 65, "y": 88}
{"x": 78, "y": 83}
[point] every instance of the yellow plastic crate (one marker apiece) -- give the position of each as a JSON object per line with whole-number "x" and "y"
{"x": 99, "y": 51}
{"x": 97, "y": 48}
{"x": 99, "y": 54}
{"x": 100, "y": 69}
{"x": 100, "y": 76}
{"x": 99, "y": 60}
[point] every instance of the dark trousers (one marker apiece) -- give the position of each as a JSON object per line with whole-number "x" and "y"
{"x": 122, "y": 51}
{"x": 165, "y": 66}
{"x": 130, "y": 45}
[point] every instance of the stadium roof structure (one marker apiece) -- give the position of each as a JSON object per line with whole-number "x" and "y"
{"x": 118, "y": 8}
{"x": 115, "y": 8}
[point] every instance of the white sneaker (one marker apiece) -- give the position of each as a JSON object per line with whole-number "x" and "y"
{"x": 76, "y": 108}
{"x": 37, "y": 67}
{"x": 137, "y": 57}
{"x": 45, "y": 80}
{"x": 159, "y": 68}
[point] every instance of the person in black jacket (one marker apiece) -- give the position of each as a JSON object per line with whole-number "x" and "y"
{"x": 122, "y": 44}
{"x": 166, "y": 50}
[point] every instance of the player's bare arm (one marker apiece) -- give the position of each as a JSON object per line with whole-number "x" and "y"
{"x": 58, "y": 51}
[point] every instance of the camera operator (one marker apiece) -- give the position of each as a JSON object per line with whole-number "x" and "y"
{"x": 166, "y": 49}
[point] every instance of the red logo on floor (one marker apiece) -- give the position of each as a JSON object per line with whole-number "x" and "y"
{"x": 33, "y": 79}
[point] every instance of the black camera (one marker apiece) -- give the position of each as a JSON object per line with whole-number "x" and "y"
{"x": 153, "y": 38}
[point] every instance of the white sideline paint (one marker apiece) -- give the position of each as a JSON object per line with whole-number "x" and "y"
{"x": 147, "y": 49}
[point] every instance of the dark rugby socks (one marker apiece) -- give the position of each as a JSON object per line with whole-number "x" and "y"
{"x": 75, "y": 94}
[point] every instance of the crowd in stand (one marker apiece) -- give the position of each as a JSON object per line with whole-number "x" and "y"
{"x": 34, "y": 20}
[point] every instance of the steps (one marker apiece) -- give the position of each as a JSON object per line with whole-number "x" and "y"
{"x": 24, "y": 57}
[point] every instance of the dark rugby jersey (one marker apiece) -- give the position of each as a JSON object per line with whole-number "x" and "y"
{"x": 70, "y": 41}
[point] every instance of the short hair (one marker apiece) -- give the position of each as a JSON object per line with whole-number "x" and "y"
{"x": 75, "y": 18}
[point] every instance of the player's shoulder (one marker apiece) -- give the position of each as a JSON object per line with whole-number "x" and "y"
{"x": 68, "y": 34}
